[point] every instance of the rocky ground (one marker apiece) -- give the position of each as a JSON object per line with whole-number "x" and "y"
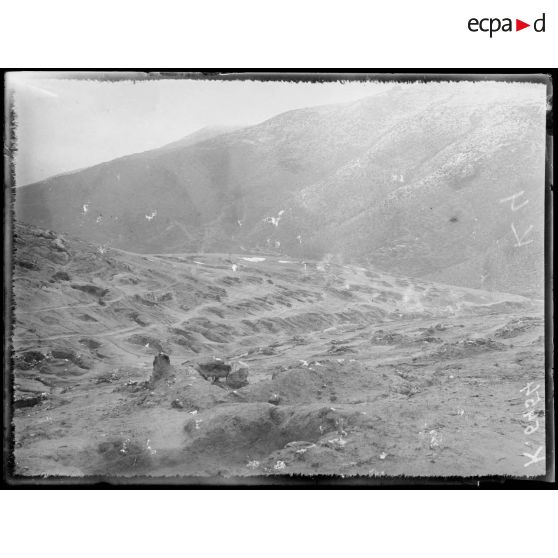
{"x": 351, "y": 371}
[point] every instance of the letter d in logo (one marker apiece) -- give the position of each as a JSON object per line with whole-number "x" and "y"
{"x": 539, "y": 24}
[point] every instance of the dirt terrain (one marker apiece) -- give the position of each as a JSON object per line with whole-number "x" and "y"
{"x": 352, "y": 371}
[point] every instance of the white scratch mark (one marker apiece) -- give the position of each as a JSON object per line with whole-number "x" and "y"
{"x": 512, "y": 198}
{"x": 534, "y": 458}
{"x": 275, "y": 220}
{"x": 520, "y": 240}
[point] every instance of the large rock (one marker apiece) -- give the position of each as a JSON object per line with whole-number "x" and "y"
{"x": 235, "y": 373}
{"x": 214, "y": 369}
{"x": 238, "y": 377}
{"x": 162, "y": 369}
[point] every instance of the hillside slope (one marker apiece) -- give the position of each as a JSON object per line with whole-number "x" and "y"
{"x": 351, "y": 370}
{"x": 412, "y": 179}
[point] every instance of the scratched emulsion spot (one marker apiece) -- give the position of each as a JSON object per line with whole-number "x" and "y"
{"x": 275, "y": 220}
{"x": 519, "y": 240}
{"x": 513, "y": 198}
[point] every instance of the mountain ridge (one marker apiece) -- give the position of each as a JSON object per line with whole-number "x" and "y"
{"x": 404, "y": 177}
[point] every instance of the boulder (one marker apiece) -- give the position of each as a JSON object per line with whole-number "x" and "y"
{"x": 214, "y": 369}
{"x": 162, "y": 369}
{"x": 238, "y": 377}
{"x": 235, "y": 373}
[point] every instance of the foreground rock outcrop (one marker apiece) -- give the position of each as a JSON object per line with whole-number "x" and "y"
{"x": 235, "y": 374}
{"x": 162, "y": 369}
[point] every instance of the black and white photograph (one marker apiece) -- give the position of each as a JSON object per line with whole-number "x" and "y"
{"x": 262, "y": 277}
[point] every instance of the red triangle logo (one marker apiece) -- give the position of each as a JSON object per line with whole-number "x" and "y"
{"x": 519, "y": 25}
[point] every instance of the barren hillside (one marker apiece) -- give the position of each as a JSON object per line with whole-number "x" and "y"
{"x": 412, "y": 180}
{"x": 351, "y": 370}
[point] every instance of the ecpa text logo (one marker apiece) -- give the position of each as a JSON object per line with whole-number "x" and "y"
{"x": 494, "y": 24}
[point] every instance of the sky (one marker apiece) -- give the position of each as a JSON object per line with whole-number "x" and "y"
{"x": 67, "y": 124}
